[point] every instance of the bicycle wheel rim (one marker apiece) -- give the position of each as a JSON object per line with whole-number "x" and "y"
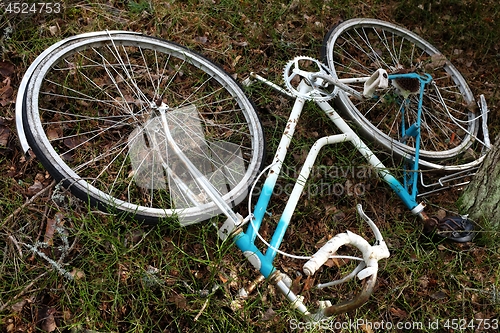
{"x": 47, "y": 89}
{"x": 393, "y": 42}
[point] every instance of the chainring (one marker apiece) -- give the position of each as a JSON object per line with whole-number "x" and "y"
{"x": 305, "y": 68}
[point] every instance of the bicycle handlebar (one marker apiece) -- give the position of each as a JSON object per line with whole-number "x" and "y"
{"x": 351, "y": 304}
{"x": 326, "y": 309}
{"x": 367, "y": 272}
{"x": 371, "y": 254}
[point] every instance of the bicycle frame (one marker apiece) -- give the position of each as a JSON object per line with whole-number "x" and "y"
{"x": 263, "y": 261}
{"x": 246, "y": 240}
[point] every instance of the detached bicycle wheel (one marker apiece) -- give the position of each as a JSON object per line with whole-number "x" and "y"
{"x": 357, "y": 48}
{"x": 93, "y": 116}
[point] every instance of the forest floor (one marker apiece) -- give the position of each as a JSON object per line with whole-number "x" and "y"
{"x": 127, "y": 277}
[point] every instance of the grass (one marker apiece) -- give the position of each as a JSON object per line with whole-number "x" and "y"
{"x": 132, "y": 278}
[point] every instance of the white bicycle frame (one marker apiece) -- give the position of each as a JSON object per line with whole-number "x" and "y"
{"x": 246, "y": 240}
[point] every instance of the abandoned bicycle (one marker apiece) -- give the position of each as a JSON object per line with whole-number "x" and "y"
{"x": 145, "y": 127}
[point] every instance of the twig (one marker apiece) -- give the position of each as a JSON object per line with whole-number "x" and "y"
{"x": 30, "y": 201}
{"x": 57, "y": 266}
{"x": 3, "y": 306}
{"x": 201, "y": 310}
{"x": 16, "y": 244}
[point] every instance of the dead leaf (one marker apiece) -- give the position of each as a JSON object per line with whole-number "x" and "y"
{"x": 123, "y": 272}
{"x": 441, "y": 214}
{"x": 441, "y": 247}
{"x": 74, "y": 141}
{"x": 437, "y": 60}
{"x": 439, "y": 295}
{"x": 49, "y": 231}
{"x": 424, "y": 282}
{"x": 35, "y": 188}
{"x": 6, "y": 93}
{"x": 46, "y": 318}
{"x": 52, "y": 224}
{"x": 330, "y": 209}
{"x": 54, "y": 29}
{"x": 398, "y": 313}
{"x": 41, "y": 178}
{"x": 179, "y": 301}
{"x": 102, "y": 81}
{"x": 54, "y": 133}
{"x": 6, "y": 68}
{"x": 269, "y": 314}
{"x": 77, "y": 274}
{"x": 222, "y": 278}
{"x": 4, "y": 135}
{"x": 201, "y": 39}
{"x": 296, "y": 285}
{"x": 237, "y": 304}
{"x": 49, "y": 324}
{"x": 235, "y": 62}
{"x": 83, "y": 103}
{"x": 10, "y": 328}
{"x": 337, "y": 262}
{"x": 18, "y": 306}
{"x": 243, "y": 43}
{"x": 308, "y": 284}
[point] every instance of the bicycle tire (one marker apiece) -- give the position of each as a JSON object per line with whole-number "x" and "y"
{"x": 358, "y": 47}
{"x": 91, "y": 93}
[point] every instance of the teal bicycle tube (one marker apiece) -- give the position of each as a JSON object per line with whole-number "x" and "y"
{"x": 414, "y": 130}
{"x": 297, "y": 191}
{"x": 246, "y": 241}
{"x": 363, "y": 149}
